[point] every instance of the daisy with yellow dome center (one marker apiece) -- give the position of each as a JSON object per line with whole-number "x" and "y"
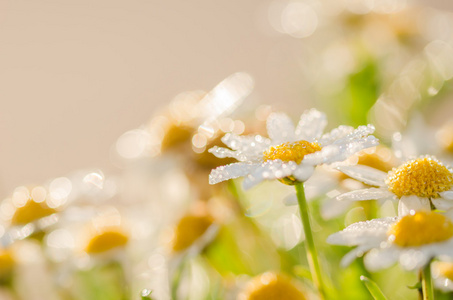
{"x": 290, "y": 152}
{"x": 418, "y": 184}
{"x": 271, "y": 286}
{"x": 412, "y": 240}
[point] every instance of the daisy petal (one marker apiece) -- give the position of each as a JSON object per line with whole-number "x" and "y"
{"x": 442, "y": 203}
{"x": 373, "y": 231}
{"x": 280, "y": 128}
{"x": 273, "y": 169}
{"x": 365, "y": 194}
{"x": 303, "y": 172}
{"x": 378, "y": 259}
{"x": 448, "y": 195}
{"x": 346, "y": 149}
{"x": 230, "y": 171}
{"x": 246, "y": 143}
{"x": 339, "y": 152}
{"x": 353, "y": 254}
{"x": 221, "y": 152}
{"x": 365, "y": 174}
{"x": 335, "y": 134}
{"x": 415, "y": 203}
{"x": 360, "y": 132}
{"x": 311, "y": 125}
{"x": 413, "y": 259}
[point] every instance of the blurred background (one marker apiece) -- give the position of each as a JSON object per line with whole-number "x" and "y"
{"x": 76, "y": 74}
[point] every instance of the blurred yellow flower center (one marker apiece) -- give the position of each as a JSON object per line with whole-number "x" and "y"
{"x": 423, "y": 177}
{"x": 420, "y": 229}
{"x": 291, "y": 151}
{"x": 445, "y": 269}
{"x": 175, "y": 136}
{"x": 189, "y": 229}
{"x": 6, "y": 263}
{"x": 270, "y": 286}
{"x": 106, "y": 241}
{"x": 30, "y": 212}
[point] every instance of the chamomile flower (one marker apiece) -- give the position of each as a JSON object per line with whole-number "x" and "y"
{"x": 291, "y": 152}
{"x": 417, "y": 184}
{"x": 443, "y": 275}
{"x": 412, "y": 240}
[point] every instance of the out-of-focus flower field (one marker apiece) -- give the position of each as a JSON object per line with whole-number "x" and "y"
{"x": 215, "y": 198}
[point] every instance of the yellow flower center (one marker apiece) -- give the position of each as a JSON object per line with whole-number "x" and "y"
{"x": 30, "y": 212}
{"x": 423, "y": 177}
{"x": 6, "y": 263}
{"x": 270, "y": 286}
{"x": 175, "y": 136}
{"x": 420, "y": 229}
{"x": 291, "y": 151}
{"x": 445, "y": 269}
{"x": 189, "y": 229}
{"x": 106, "y": 241}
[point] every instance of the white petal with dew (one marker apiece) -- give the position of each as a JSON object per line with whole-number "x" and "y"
{"x": 339, "y": 152}
{"x": 346, "y": 149}
{"x": 311, "y": 125}
{"x": 230, "y": 171}
{"x": 406, "y": 204}
{"x": 280, "y": 128}
{"x": 365, "y": 174}
{"x": 335, "y": 134}
{"x": 378, "y": 259}
{"x": 373, "y": 231}
{"x": 221, "y": 152}
{"x": 365, "y": 194}
{"x": 246, "y": 143}
{"x": 359, "y": 133}
{"x": 274, "y": 169}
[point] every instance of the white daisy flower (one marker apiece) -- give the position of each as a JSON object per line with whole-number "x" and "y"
{"x": 417, "y": 184}
{"x": 412, "y": 240}
{"x": 291, "y": 152}
{"x": 443, "y": 275}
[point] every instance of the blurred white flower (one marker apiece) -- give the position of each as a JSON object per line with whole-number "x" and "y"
{"x": 412, "y": 240}
{"x": 291, "y": 152}
{"x": 443, "y": 275}
{"x": 417, "y": 184}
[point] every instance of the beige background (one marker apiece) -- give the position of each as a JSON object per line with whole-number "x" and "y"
{"x": 75, "y": 74}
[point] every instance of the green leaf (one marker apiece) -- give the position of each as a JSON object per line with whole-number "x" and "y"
{"x": 416, "y": 286}
{"x": 373, "y": 288}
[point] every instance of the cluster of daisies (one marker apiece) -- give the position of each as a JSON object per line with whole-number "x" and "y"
{"x": 423, "y": 187}
{"x": 169, "y": 234}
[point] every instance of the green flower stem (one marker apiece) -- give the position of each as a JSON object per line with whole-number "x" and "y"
{"x": 427, "y": 283}
{"x": 312, "y": 256}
